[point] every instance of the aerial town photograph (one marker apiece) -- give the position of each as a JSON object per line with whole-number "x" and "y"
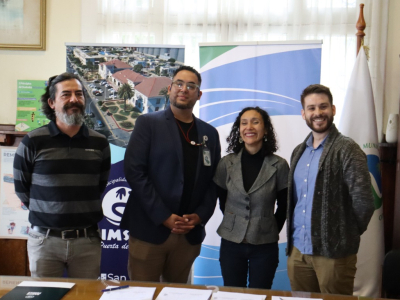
{"x": 121, "y": 83}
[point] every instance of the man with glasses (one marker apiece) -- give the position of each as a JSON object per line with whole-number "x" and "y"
{"x": 169, "y": 163}
{"x": 60, "y": 172}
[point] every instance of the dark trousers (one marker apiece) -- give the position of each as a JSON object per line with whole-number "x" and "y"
{"x": 257, "y": 262}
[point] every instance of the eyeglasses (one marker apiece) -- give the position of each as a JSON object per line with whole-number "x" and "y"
{"x": 189, "y": 85}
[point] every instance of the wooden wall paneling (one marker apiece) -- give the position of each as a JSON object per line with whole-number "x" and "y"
{"x": 13, "y": 257}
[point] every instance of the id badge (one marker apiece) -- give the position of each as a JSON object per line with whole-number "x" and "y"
{"x": 206, "y": 157}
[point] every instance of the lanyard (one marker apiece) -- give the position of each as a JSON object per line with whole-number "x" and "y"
{"x": 186, "y": 136}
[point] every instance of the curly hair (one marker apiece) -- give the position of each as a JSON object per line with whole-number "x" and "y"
{"x": 268, "y": 147}
{"x": 50, "y": 93}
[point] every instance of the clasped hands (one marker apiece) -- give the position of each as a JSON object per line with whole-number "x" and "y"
{"x": 182, "y": 225}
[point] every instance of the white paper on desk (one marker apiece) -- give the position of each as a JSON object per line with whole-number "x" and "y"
{"x": 169, "y": 293}
{"x": 131, "y": 293}
{"x": 293, "y": 298}
{"x": 237, "y": 296}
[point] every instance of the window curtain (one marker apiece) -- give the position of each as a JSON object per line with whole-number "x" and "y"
{"x": 190, "y": 22}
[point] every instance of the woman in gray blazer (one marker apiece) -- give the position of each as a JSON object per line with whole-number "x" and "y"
{"x": 250, "y": 180}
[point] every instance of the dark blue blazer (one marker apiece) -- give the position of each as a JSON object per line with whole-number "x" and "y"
{"x": 154, "y": 171}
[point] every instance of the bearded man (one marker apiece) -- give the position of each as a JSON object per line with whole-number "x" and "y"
{"x": 330, "y": 201}
{"x": 60, "y": 172}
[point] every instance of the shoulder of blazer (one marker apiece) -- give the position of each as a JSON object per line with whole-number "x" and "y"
{"x": 157, "y": 116}
{"x": 232, "y": 158}
{"x": 272, "y": 159}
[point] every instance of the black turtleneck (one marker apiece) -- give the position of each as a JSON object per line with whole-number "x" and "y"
{"x": 251, "y": 166}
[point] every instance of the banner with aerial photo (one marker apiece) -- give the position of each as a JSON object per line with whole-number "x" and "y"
{"x": 271, "y": 76}
{"x": 121, "y": 82}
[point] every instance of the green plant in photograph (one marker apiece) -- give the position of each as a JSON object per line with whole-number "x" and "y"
{"x": 125, "y": 92}
{"x": 124, "y": 113}
{"x": 126, "y": 125}
{"x": 135, "y": 114}
{"x": 138, "y": 68}
{"x": 113, "y": 109}
{"x": 120, "y": 118}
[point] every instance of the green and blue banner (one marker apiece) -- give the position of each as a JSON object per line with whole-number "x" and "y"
{"x": 271, "y": 76}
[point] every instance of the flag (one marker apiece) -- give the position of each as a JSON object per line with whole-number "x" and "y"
{"x": 358, "y": 122}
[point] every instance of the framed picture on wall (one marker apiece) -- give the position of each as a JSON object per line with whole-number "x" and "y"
{"x": 23, "y": 25}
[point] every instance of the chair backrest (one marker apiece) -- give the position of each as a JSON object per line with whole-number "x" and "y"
{"x": 391, "y": 275}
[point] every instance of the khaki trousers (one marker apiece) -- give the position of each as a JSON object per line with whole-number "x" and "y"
{"x": 319, "y": 274}
{"x": 172, "y": 260}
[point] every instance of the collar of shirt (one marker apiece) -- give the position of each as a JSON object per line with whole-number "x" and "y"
{"x": 310, "y": 142}
{"x": 54, "y": 130}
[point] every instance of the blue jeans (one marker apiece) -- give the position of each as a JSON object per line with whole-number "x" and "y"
{"x": 49, "y": 256}
{"x": 242, "y": 262}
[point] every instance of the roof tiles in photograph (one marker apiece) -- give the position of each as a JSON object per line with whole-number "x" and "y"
{"x": 124, "y": 75}
{"x": 117, "y": 63}
{"x": 151, "y": 87}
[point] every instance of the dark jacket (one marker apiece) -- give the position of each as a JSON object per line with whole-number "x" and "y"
{"x": 154, "y": 171}
{"x": 343, "y": 202}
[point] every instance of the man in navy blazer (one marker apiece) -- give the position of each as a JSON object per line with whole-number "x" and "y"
{"x": 169, "y": 164}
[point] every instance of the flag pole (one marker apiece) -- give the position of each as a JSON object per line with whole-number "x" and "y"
{"x": 360, "y": 25}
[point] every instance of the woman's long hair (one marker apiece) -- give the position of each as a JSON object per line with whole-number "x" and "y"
{"x": 268, "y": 147}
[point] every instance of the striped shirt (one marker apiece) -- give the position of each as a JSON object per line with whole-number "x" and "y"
{"x": 61, "y": 179}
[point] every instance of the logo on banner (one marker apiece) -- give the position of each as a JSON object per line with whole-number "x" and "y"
{"x": 114, "y": 204}
{"x": 374, "y": 170}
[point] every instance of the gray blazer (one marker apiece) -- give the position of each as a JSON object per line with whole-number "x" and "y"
{"x": 250, "y": 215}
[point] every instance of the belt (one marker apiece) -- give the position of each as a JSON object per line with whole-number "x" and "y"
{"x": 69, "y": 234}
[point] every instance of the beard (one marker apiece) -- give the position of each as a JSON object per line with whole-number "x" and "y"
{"x": 328, "y": 125}
{"x": 76, "y": 118}
{"x": 188, "y": 105}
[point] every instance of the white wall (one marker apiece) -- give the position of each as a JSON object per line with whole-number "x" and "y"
{"x": 63, "y": 24}
{"x": 392, "y": 76}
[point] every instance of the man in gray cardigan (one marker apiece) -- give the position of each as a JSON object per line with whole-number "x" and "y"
{"x": 330, "y": 201}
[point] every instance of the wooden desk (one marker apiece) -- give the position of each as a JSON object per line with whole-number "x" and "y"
{"x": 91, "y": 289}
